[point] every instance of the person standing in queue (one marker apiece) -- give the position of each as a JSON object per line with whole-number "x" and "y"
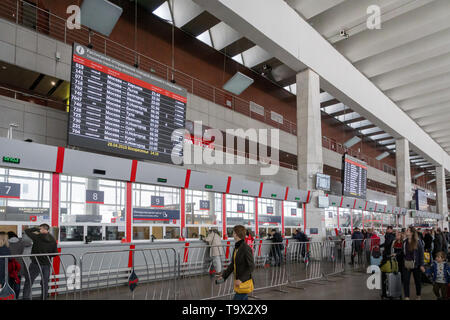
{"x": 43, "y": 242}
{"x": 241, "y": 266}
{"x": 413, "y": 260}
{"x": 214, "y": 240}
{"x": 4, "y": 251}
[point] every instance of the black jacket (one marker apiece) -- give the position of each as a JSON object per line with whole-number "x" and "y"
{"x": 244, "y": 262}
{"x": 42, "y": 243}
{"x": 357, "y": 238}
{"x": 277, "y": 238}
{"x": 389, "y": 239}
{"x": 428, "y": 240}
{"x": 438, "y": 242}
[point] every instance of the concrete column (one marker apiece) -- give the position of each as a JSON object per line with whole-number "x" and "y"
{"x": 404, "y": 194}
{"x": 441, "y": 194}
{"x": 309, "y": 146}
{"x": 92, "y": 209}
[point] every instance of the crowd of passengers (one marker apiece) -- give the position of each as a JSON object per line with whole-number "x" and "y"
{"x": 422, "y": 254}
{"x": 42, "y": 242}
{"x": 417, "y": 252}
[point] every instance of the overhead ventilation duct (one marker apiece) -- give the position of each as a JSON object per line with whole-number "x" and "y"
{"x": 238, "y": 83}
{"x": 352, "y": 142}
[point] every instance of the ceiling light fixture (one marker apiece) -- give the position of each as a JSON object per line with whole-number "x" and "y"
{"x": 419, "y": 175}
{"x": 352, "y": 142}
{"x": 383, "y": 155}
{"x": 238, "y": 83}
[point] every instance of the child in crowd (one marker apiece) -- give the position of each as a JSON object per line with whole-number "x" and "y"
{"x": 440, "y": 271}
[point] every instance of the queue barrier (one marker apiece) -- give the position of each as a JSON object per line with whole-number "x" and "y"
{"x": 105, "y": 274}
{"x": 61, "y": 270}
{"x": 189, "y": 272}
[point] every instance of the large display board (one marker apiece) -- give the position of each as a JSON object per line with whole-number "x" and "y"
{"x": 421, "y": 200}
{"x": 354, "y": 177}
{"x": 117, "y": 108}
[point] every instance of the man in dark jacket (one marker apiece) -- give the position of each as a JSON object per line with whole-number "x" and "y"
{"x": 43, "y": 242}
{"x": 277, "y": 246}
{"x": 243, "y": 260}
{"x": 300, "y": 236}
{"x": 438, "y": 242}
{"x": 428, "y": 241}
{"x": 357, "y": 239}
{"x": 389, "y": 238}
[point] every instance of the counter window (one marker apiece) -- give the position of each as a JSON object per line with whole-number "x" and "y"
{"x": 156, "y": 212}
{"x": 25, "y": 199}
{"x": 203, "y": 211}
{"x": 240, "y": 210}
{"x": 293, "y": 217}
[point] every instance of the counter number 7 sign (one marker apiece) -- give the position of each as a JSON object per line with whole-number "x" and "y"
{"x": 9, "y": 190}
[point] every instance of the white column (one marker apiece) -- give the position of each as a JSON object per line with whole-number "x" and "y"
{"x": 309, "y": 145}
{"x": 441, "y": 194}
{"x": 404, "y": 194}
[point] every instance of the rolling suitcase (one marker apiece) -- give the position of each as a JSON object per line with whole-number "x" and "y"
{"x": 394, "y": 285}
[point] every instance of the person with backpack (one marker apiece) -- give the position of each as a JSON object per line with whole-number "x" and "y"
{"x": 17, "y": 246}
{"x": 440, "y": 272}
{"x": 414, "y": 264}
{"x": 43, "y": 242}
{"x": 215, "y": 242}
{"x": 242, "y": 266}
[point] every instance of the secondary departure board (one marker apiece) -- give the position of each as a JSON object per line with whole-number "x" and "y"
{"x": 354, "y": 177}
{"x": 119, "y": 109}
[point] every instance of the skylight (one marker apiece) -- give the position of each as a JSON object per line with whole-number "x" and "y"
{"x": 163, "y": 11}
{"x": 238, "y": 58}
{"x": 205, "y": 38}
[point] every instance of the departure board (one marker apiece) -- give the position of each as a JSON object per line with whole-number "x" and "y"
{"x": 119, "y": 109}
{"x": 354, "y": 177}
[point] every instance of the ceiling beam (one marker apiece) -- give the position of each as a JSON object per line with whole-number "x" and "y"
{"x": 286, "y": 41}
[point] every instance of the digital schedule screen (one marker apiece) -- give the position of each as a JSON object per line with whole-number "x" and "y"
{"x": 119, "y": 109}
{"x": 354, "y": 177}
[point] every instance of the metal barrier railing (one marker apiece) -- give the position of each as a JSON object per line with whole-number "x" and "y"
{"x": 42, "y": 275}
{"x": 189, "y": 272}
{"x": 156, "y": 269}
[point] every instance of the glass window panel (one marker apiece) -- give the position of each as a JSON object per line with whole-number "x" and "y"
{"x": 113, "y": 233}
{"x": 141, "y": 233}
{"x": 72, "y": 233}
{"x": 193, "y": 232}
{"x": 95, "y": 233}
{"x": 142, "y": 195}
{"x": 157, "y": 232}
{"x": 34, "y": 196}
{"x": 172, "y": 233}
{"x": 195, "y": 214}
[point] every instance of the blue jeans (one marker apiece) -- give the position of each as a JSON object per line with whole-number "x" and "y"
{"x": 240, "y": 296}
